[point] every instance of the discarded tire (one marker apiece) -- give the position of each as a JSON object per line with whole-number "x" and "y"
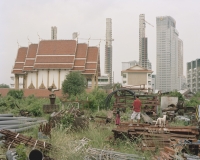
{"x": 35, "y": 155}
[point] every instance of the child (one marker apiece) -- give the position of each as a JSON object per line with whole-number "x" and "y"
{"x": 117, "y": 120}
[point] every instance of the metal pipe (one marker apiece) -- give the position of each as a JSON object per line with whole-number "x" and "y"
{"x": 21, "y": 125}
{"x": 10, "y": 122}
{"x": 13, "y": 118}
{"x": 6, "y": 115}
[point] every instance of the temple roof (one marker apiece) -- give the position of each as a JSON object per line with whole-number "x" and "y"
{"x": 20, "y": 59}
{"x": 58, "y": 54}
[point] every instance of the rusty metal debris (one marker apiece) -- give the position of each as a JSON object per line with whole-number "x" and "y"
{"x": 13, "y": 139}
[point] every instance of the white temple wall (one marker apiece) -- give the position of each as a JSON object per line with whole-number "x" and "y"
{"x": 31, "y": 77}
{"x": 63, "y": 74}
{"x": 53, "y": 76}
{"x": 42, "y": 75}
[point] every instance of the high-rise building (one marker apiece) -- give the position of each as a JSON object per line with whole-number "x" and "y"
{"x": 169, "y": 53}
{"x": 143, "y": 44}
{"x": 54, "y": 33}
{"x": 193, "y": 75}
{"x": 108, "y": 49}
{"x": 180, "y": 57}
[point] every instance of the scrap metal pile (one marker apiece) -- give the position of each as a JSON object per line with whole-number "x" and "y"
{"x": 13, "y": 139}
{"x": 152, "y": 137}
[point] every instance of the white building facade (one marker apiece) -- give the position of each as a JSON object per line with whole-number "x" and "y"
{"x": 168, "y": 61}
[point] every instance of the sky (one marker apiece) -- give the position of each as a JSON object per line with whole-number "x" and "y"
{"x": 21, "y": 20}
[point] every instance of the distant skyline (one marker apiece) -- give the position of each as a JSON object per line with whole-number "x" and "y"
{"x": 22, "y": 20}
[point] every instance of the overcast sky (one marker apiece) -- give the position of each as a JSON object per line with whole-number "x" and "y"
{"x": 20, "y": 19}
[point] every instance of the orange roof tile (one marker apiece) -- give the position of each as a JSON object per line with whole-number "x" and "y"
{"x": 21, "y": 55}
{"x": 17, "y": 72}
{"x": 79, "y": 63}
{"x": 79, "y": 68}
{"x": 81, "y": 50}
{"x": 57, "y": 47}
{"x": 54, "y": 59}
{"x": 92, "y": 54}
{"x": 27, "y": 68}
{"x": 32, "y": 49}
{"x": 91, "y": 66}
{"x": 53, "y": 66}
{"x": 29, "y": 62}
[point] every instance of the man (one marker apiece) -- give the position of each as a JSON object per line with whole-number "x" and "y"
{"x": 136, "y": 110}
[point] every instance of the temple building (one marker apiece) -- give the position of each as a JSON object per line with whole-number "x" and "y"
{"x": 47, "y": 63}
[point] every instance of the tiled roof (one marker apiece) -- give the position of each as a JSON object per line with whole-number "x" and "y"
{"x": 79, "y": 63}
{"x": 54, "y": 59}
{"x": 81, "y": 50}
{"x": 20, "y": 59}
{"x": 30, "y": 58}
{"x": 92, "y": 54}
{"x": 57, "y": 47}
{"x": 53, "y": 66}
{"x": 91, "y": 66}
{"x": 32, "y": 49}
{"x": 29, "y": 62}
{"x": 79, "y": 68}
{"x": 58, "y": 54}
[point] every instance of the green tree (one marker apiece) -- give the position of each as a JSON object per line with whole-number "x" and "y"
{"x": 18, "y": 94}
{"x": 4, "y": 85}
{"x": 75, "y": 83}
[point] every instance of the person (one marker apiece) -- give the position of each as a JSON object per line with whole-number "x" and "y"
{"x": 117, "y": 120}
{"x": 136, "y": 110}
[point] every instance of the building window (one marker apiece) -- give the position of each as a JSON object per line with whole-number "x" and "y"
{"x": 124, "y": 82}
{"x": 124, "y": 75}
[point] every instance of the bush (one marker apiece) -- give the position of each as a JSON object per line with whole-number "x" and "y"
{"x": 18, "y": 94}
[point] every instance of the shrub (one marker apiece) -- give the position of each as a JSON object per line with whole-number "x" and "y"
{"x": 18, "y": 94}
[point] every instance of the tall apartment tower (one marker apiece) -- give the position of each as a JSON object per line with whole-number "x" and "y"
{"x": 54, "y": 33}
{"x": 169, "y": 53}
{"x": 180, "y": 57}
{"x": 108, "y": 49}
{"x": 193, "y": 75}
{"x": 143, "y": 45}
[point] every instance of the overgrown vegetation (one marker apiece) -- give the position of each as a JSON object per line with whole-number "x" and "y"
{"x": 194, "y": 101}
{"x": 21, "y": 152}
{"x": 4, "y": 85}
{"x": 75, "y": 83}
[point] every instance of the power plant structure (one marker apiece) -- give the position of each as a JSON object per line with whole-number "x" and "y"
{"x": 108, "y": 50}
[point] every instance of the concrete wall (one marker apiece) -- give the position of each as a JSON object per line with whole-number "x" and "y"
{"x": 42, "y": 75}
{"x": 137, "y": 79}
{"x": 53, "y": 76}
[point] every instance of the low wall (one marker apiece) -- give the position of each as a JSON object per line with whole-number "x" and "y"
{"x": 44, "y": 93}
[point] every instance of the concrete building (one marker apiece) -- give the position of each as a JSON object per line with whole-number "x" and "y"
{"x": 126, "y": 65}
{"x": 169, "y": 55}
{"x": 193, "y": 75}
{"x": 47, "y": 63}
{"x": 54, "y": 33}
{"x": 153, "y": 82}
{"x": 180, "y": 57}
{"x": 136, "y": 76}
{"x": 108, "y": 49}
{"x": 102, "y": 81}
